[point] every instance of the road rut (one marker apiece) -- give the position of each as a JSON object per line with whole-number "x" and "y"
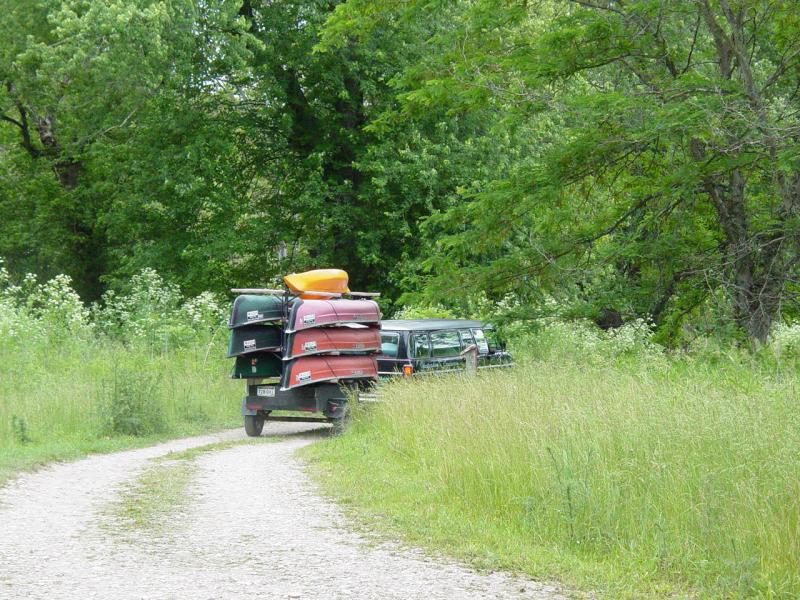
{"x": 253, "y": 526}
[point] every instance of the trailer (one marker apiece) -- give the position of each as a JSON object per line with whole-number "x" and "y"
{"x": 308, "y": 349}
{"x": 323, "y": 403}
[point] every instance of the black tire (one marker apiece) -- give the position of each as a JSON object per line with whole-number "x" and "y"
{"x": 340, "y": 424}
{"x": 253, "y": 425}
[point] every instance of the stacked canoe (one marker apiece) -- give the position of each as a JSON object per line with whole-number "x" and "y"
{"x": 307, "y": 334}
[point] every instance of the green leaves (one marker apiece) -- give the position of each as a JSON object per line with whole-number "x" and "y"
{"x": 629, "y": 126}
{"x": 640, "y": 157}
{"x": 84, "y": 84}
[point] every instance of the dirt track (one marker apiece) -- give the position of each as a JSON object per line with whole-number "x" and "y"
{"x": 252, "y": 526}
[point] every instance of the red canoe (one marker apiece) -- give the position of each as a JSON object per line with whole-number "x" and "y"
{"x": 316, "y": 369}
{"x": 306, "y": 314}
{"x": 333, "y": 340}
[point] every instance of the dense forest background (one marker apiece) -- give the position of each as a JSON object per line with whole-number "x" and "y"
{"x": 608, "y": 159}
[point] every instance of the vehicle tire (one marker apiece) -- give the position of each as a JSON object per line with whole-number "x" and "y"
{"x": 340, "y": 423}
{"x": 253, "y": 425}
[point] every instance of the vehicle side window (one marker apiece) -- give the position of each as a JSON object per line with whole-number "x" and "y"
{"x": 480, "y": 340}
{"x": 494, "y": 342}
{"x": 419, "y": 346}
{"x": 445, "y": 343}
{"x": 389, "y": 343}
{"x": 466, "y": 338}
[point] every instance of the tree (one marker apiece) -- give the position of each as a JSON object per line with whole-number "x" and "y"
{"x": 666, "y": 160}
{"x": 77, "y": 78}
{"x": 323, "y": 194}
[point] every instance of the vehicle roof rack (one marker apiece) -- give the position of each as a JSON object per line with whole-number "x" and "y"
{"x": 274, "y": 292}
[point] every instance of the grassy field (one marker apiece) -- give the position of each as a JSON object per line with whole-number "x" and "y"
{"x": 607, "y": 466}
{"x": 94, "y": 398}
{"x": 143, "y": 367}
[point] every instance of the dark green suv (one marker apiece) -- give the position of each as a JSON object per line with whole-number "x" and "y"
{"x": 436, "y": 345}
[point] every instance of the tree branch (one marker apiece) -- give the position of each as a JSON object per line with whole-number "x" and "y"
{"x": 786, "y": 61}
{"x": 721, "y": 41}
{"x": 10, "y": 120}
{"x": 694, "y": 44}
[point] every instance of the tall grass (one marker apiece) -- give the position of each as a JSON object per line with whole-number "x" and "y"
{"x": 138, "y": 366}
{"x": 601, "y": 462}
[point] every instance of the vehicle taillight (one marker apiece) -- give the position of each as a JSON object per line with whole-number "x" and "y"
{"x": 408, "y": 370}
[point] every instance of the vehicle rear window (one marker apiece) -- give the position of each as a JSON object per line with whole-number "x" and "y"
{"x": 480, "y": 340}
{"x": 445, "y": 343}
{"x": 419, "y": 346}
{"x": 389, "y": 344}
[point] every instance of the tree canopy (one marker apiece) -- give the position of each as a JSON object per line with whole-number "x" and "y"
{"x": 627, "y": 159}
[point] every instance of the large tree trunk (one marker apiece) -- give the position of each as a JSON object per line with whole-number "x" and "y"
{"x": 757, "y": 268}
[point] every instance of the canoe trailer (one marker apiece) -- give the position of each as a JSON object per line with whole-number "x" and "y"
{"x": 310, "y": 348}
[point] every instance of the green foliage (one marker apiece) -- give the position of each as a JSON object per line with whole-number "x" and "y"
{"x": 639, "y": 159}
{"x": 146, "y": 363}
{"x": 19, "y": 428}
{"x": 599, "y": 461}
{"x": 435, "y": 311}
{"x": 129, "y": 406}
{"x": 218, "y": 143}
{"x": 85, "y": 87}
{"x": 647, "y": 169}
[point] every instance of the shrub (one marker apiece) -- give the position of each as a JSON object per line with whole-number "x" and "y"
{"x": 20, "y": 428}
{"x": 131, "y": 404}
{"x": 784, "y": 340}
{"x": 143, "y": 361}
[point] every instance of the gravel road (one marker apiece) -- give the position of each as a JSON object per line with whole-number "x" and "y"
{"x": 252, "y": 526}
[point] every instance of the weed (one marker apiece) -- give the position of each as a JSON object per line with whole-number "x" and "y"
{"x": 131, "y": 404}
{"x": 19, "y": 426}
{"x": 143, "y": 365}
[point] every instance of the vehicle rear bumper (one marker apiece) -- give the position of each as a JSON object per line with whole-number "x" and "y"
{"x": 329, "y": 399}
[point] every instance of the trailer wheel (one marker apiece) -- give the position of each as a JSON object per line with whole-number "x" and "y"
{"x": 253, "y": 425}
{"x": 340, "y": 423}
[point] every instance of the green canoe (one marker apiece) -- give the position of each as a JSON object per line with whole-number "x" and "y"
{"x": 254, "y": 338}
{"x": 258, "y": 364}
{"x": 252, "y": 309}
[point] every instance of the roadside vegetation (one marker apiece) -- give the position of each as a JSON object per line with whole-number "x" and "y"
{"x": 140, "y": 366}
{"x": 600, "y": 461}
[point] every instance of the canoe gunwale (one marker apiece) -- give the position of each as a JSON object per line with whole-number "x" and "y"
{"x": 336, "y": 379}
{"x": 306, "y": 383}
{"x": 332, "y": 353}
{"x": 335, "y": 324}
{"x": 258, "y": 322}
{"x": 273, "y": 349}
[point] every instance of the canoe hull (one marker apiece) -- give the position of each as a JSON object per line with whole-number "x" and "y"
{"x": 305, "y": 314}
{"x": 257, "y": 365}
{"x": 332, "y": 281}
{"x": 254, "y": 338}
{"x": 333, "y": 340}
{"x": 317, "y": 369}
{"x": 252, "y": 309}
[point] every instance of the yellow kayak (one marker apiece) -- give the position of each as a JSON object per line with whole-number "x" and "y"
{"x": 332, "y": 281}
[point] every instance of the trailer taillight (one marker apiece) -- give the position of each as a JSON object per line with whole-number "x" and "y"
{"x": 408, "y": 370}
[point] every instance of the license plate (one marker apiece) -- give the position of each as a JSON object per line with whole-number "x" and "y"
{"x": 268, "y": 392}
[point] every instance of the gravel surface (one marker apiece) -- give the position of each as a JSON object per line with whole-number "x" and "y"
{"x": 253, "y": 526}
